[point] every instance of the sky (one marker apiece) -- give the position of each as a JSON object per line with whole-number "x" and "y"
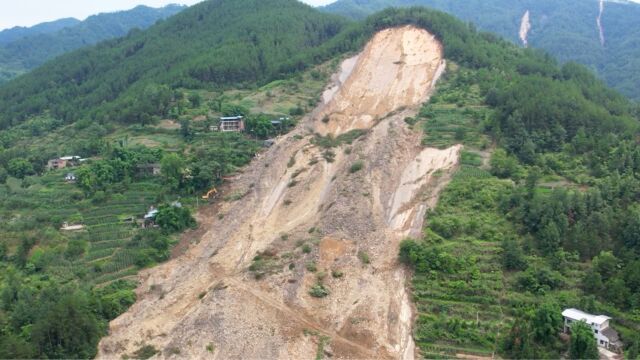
{"x": 31, "y": 12}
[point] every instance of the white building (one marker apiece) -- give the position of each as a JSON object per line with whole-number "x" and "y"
{"x": 605, "y": 335}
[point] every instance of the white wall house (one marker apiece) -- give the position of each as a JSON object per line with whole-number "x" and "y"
{"x": 605, "y": 335}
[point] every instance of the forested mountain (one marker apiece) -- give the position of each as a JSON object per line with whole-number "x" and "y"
{"x": 565, "y": 28}
{"x": 23, "y": 49}
{"x": 551, "y": 221}
{"x": 213, "y": 44}
{"x": 15, "y": 33}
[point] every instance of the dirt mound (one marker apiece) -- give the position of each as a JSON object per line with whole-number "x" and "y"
{"x": 313, "y": 211}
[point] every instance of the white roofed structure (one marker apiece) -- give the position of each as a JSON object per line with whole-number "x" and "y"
{"x": 578, "y": 315}
{"x": 606, "y": 337}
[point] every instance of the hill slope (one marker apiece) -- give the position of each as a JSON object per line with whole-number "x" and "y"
{"x": 212, "y": 44}
{"x": 24, "y": 49}
{"x": 297, "y": 186}
{"x": 565, "y": 28}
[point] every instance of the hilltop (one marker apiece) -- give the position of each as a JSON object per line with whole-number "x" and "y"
{"x": 567, "y": 29}
{"x": 23, "y": 49}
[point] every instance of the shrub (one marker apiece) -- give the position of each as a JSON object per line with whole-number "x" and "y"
{"x": 357, "y": 166}
{"x": 364, "y": 257}
{"x": 319, "y": 291}
{"x": 173, "y": 218}
{"x": 145, "y": 352}
{"x": 306, "y": 248}
{"x": 311, "y": 266}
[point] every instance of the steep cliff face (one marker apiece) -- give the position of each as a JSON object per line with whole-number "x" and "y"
{"x": 324, "y": 209}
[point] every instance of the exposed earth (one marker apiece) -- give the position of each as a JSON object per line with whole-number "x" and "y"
{"x": 316, "y": 215}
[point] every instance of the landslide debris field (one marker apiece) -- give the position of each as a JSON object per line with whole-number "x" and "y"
{"x": 301, "y": 258}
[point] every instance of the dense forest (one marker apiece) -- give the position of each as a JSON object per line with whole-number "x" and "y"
{"x": 23, "y": 49}
{"x": 565, "y": 28}
{"x": 550, "y": 222}
{"x": 215, "y": 44}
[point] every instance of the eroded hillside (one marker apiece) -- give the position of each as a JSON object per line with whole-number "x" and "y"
{"x": 322, "y": 212}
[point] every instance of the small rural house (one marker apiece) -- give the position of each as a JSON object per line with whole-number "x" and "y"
{"x": 232, "y": 124}
{"x": 606, "y": 336}
{"x": 63, "y": 162}
{"x": 149, "y": 170}
{"x": 55, "y": 164}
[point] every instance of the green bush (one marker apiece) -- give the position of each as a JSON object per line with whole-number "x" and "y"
{"x": 145, "y": 352}
{"x": 364, "y": 257}
{"x": 319, "y": 291}
{"x": 357, "y": 166}
{"x": 173, "y": 218}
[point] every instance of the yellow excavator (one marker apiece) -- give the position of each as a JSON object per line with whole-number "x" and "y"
{"x": 210, "y": 194}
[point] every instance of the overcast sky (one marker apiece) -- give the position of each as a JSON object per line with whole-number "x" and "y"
{"x": 31, "y": 12}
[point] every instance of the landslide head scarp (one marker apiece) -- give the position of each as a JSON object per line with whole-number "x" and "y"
{"x": 396, "y": 70}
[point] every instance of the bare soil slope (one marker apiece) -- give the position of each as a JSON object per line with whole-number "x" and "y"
{"x": 207, "y": 303}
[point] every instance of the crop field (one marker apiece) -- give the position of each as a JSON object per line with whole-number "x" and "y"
{"x": 106, "y": 251}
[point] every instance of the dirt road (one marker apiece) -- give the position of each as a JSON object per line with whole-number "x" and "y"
{"x": 314, "y": 215}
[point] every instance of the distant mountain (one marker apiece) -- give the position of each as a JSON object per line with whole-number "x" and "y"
{"x": 9, "y": 35}
{"x": 23, "y": 49}
{"x": 568, "y": 29}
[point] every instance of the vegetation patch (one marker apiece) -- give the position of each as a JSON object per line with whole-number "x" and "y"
{"x": 356, "y": 166}
{"x": 319, "y": 291}
{"x": 264, "y": 264}
{"x": 145, "y": 352}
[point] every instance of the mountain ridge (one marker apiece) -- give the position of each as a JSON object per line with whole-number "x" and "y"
{"x": 566, "y": 29}
{"x": 11, "y": 34}
{"x": 24, "y": 49}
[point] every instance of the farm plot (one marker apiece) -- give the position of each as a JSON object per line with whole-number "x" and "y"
{"x": 461, "y": 309}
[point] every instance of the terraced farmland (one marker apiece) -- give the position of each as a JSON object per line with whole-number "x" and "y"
{"x": 462, "y": 311}
{"x": 106, "y": 249}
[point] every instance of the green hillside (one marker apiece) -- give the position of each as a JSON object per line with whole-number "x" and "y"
{"x": 129, "y": 79}
{"x": 565, "y": 28}
{"x": 541, "y": 215}
{"x": 23, "y": 49}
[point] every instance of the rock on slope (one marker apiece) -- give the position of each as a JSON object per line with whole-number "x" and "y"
{"x": 206, "y": 303}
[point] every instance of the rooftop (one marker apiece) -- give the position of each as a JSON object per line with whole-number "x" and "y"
{"x": 578, "y": 315}
{"x": 231, "y": 118}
